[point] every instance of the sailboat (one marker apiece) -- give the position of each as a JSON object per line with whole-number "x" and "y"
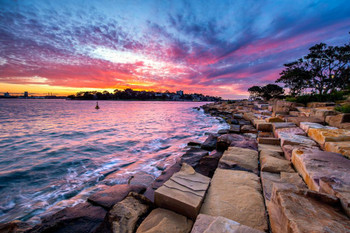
{"x": 97, "y": 107}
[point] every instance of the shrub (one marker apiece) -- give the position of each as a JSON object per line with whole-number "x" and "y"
{"x": 304, "y": 99}
{"x": 344, "y": 108}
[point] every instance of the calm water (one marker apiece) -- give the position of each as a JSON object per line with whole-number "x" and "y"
{"x": 54, "y": 153}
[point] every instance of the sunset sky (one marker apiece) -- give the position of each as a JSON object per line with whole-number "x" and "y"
{"x": 212, "y": 47}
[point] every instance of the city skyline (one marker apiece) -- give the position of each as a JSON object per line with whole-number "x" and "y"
{"x": 213, "y": 48}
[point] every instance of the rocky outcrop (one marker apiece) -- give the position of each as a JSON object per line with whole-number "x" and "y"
{"x": 83, "y": 218}
{"x": 237, "y": 158}
{"x": 226, "y": 140}
{"x": 164, "y": 221}
{"x": 214, "y": 224}
{"x": 295, "y": 139}
{"x": 111, "y": 195}
{"x": 210, "y": 143}
{"x": 209, "y": 163}
{"x": 193, "y": 156}
{"x": 236, "y": 195}
{"x": 329, "y": 135}
{"x": 141, "y": 179}
{"x": 183, "y": 192}
{"x": 298, "y": 120}
{"x": 339, "y": 147}
{"x": 273, "y": 164}
{"x": 290, "y": 130}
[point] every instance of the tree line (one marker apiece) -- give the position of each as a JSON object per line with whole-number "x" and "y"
{"x": 324, "y": 70}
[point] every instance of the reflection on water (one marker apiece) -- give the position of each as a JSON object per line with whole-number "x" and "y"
{"x": 54, "y": 152}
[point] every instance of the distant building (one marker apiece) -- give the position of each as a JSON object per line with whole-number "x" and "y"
{"x": 180, "y": 93}
{"x": 7, "y": 94}
{"x": 25, "y": 94}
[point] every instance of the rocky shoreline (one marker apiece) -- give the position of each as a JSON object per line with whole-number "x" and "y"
{"x": 280, "y": 167}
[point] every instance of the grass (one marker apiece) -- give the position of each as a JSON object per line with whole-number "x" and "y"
{"x": 344, "y": 108}
{"x": 304, "y": 99}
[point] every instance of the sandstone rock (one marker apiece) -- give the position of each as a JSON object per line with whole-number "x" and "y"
{"x": 305, "y": 211}
{"x": 248, "y": 129}
{"x": 237, "y": 158}
{"x": 268, "y": 147}
{"x": 183, "y": 192}
{"x": 322, "y": 113}
{"x": 315, "y": 166}
{"x": 123, "y": 217}
{"x": 275, "y": 165}
{"x": 210, "y": 143}
{"x": 227, "y": 140}
{"x": 289, "y": 179}
{"x": 293, "y": 130}
{"x": 280, "y": 125}
{"x": 83, "y": 218}
{"x": 243, "y": 122}
{"x": 264, "y": 126}
{"x": 329, "y": 135}
{"x": 265, "y": 134}
{"x": 307, "y": 125}
{"x": 295, "y": 139}
{"x": 14, "y": 226}
{"x": 298, "y": 120}
{"x": 338, "y": 120}
{"x": 319, "y": 104}
{"x": 208, "y": 164}
{"x": 164, "y": 221}
{"x": 235, "y": 128}
{"x": 223, "y": 131}
{"x": 236, "y": 195}
{"x": 237, "y": 116}
{"x": 248, "y": 116}
{"x": 214, "y": 224}
{"x": 270, "y": 141}
{"x": 274, "y": 119}
{"x": 288, "y": 150}
{"x": 193, "y": 156}
{"x": 284, "y": 106}
{"x": 114, "y": 194}
{"x": 339, "y": 147}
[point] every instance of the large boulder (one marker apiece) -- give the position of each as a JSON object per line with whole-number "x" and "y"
{"x": 164, "y": 221}
{"x": 214, "y": 224}
{"x": 275, "y": 165}
{"x": 310, "y": 125}
{"x": 183, "y": 192}
{"x": 273, "y": 148}
{"x": 295, "y": 139}
{"x": 208, "y": 164}
{"x": 298, "y": 120}
{"x": 83, "y": 218}
{"x": 338, "y": 120}
{"x": 292, "y": 130}
{"x": 319, "y": 167}
{"x": 193, "y": 156}
{"x": 237, "y": 158}
{"x": 141, "y": 179}
{"x": 111, "y": 195}
{"x": 210, "y": 143}
{"x": 270, "y": 140}
{"x": 236, "y": 195}
{"x": 226, "y": 140}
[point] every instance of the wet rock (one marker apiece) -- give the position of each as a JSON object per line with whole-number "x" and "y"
{"x": 243, "y": 122}
{"x": 321, "y": 136}
{"x": 193, "y": 156}
{"x": 291, "y": 211}
{"x": 236, "y": 140}
{"x": 292, "y": 130}
{"x": 248, "y": 129}
{"x": 160, "y": 180}
{"x": 223, "y": 131}
{"x": 339, "y": 147}
{"x": 237, "y": 116}
{"x": 164, "y": 221}
{"x": 183, "y": 192}
{"x": 236, "y": 195}
{"x": 208, "y": 164}
{"x": 210, "y": 143}
{"x": 235, "y": 129}
{"x": 111, "y": 195}
{"x": 214, "y": 224}
{"x": 15, "y": 226}
{"x": 124, "y": 216}
{"x": 83, "y": 218}
{"x": 141, "y": 179}
{"x": 194, "y": 144}
{"x": 237, "y": 158}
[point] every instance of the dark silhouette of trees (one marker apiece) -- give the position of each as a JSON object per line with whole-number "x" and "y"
{"x": 267, "y": 92}
{"x": 324, "y": 70}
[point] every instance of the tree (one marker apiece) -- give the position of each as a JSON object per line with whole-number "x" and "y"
{"x": 255, "y": 91}
{"x": 295, "y": 77}
{"x": 267, "y": 92}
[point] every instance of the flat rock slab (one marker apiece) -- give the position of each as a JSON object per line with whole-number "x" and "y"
{"x": 270, "y": 141}
{"x": 142, "y": 179}
{"x": 275, "y": 165}
{"x": 288, "y": 150}
{"x": 339, "y": 147}
{"x": 331, "y": 168}
{"x": 114, "y": 194}
{"x": 183, "y": 192}
{"x": 193, "y": 156}
{"x": 305, "y": 211}
{"x": 237, "y": 158}
{"x": 164, "y": 221}
{"x": 235, "y": 128}
{"x": 236, "y": 195}
{"x": 226, "y": 140}
{"x": 295, "y": 139}
{"x": 273, "y": 148}
{"x": 310, "y": 125}
{"x": 280, "y": 125}
{"x": 83, "y": 218}
{"x": 268, "y": 179}
{"x": 291, "y": 130}
{"x": 274, "y": 119}
{"x": 329, "y": 135}
{"x": 248, "y": 129}
{"x": 214, "y": 224}
{"x": 298, "y": 120}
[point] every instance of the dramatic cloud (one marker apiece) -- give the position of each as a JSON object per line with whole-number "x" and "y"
{"x": 213, "y": 47}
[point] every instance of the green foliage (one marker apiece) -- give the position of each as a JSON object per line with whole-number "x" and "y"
{"x": 267, "y": 92}
{"x": 304, "y": 99}
{"x": 344, "y": 108}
